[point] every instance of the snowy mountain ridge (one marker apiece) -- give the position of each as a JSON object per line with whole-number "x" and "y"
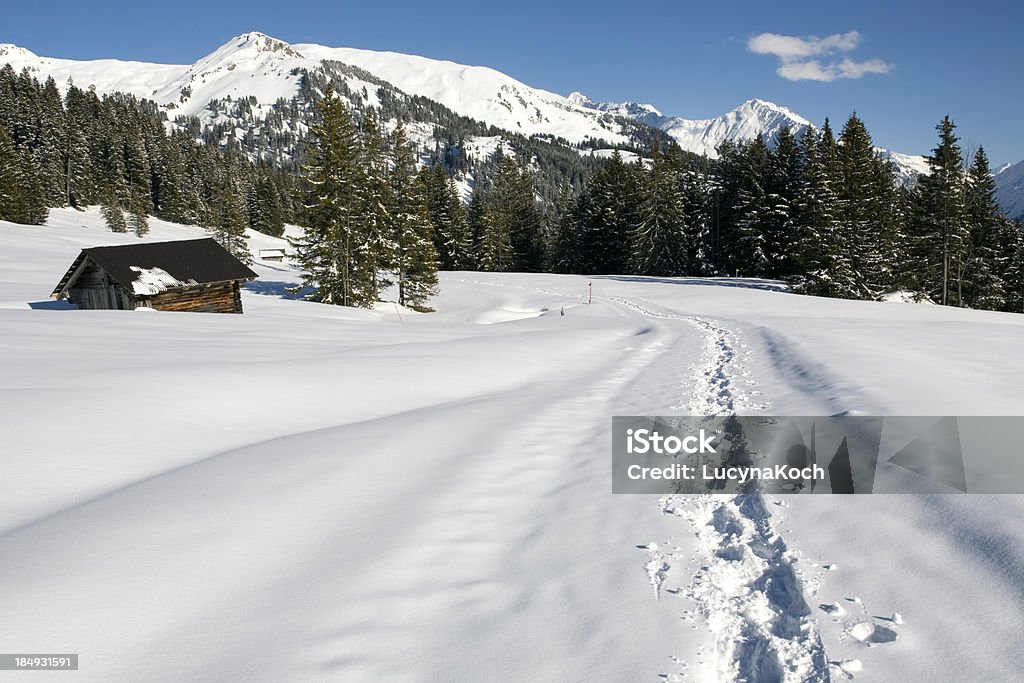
{"x": 703, "y": 136}
{"x": 745, "y": 122}
{"x": 631, "y": 109}
{"x": 750, "y": 119}
{"x": 264, "y": 70}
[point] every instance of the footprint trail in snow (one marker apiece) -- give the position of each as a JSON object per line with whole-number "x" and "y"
{"x": 746, "y": 589}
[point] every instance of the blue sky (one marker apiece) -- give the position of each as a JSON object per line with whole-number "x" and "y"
{"x": 916, "y": 60}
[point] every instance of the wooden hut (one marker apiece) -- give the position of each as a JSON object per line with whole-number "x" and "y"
{"x": 185, "y": 275}
{"x": 271, "y": 255}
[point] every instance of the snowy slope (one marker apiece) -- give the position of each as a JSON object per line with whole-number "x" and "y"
{"x": 305, "y": 492}
{"x": 1010, "y": 189}
{"x": 108, "y": 75}
{"x": 480, "y": 93}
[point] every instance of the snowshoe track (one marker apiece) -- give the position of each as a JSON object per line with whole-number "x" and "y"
{"x": 746, "y": 588}
{"x": 719, "y": 375}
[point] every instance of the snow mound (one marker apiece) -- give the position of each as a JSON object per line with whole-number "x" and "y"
{"x": 903, "y": 296}
{"x": 872, "y": 634}
{"x": 504, "y": 315}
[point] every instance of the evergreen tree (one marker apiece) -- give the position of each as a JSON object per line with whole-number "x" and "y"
{"x": 451, "y": 233}
{"x": 228, "y": 220}
{"x": 266, "y": 212}
{"x": 327, "y": 250}
{"x": 609, "y": 216}
{"x": 513, "y": 216}
{"x": 782, "y": 182}
{"x": 80, "y": 178}
{"x": 375, "y": 240}
{"x": 138, "y": 183}
{"x": 50, "y": 146}
{"x": 823, "y": 266}
{"x": 939, "y": 230}
{"x": 415, "y": 256}
{"x": 11, "y": 207}
{"x": 178, "y": 196}
{"x": 475, "y": 218}
{"x": 565, "y": 254}
{"x": 492, "y": 245}
{"x": 697, "y": 188}
{"x": 112, "y": 213}
{"x": 455, "y": 229}
{"x": 864, "y": 209}
{"x": 979, "y": 284}
{"x": 34, "y": 209}
{"x": 1013, "y": 275}
{"x": 726, "y": 186}
{"x": 753, "y": 210}
{"x": 658, "y": 245}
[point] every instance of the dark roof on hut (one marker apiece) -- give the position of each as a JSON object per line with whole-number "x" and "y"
{"x": 201, "y": 261}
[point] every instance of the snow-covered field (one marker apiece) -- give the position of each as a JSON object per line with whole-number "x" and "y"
{"x": 306, "y": 492}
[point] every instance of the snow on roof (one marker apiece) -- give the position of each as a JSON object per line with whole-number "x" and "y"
{"x": 155, "y": 280}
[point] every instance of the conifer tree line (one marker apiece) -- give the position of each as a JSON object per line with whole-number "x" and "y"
{"x": 116, "y": 152}
{"x": 819, "y": 211}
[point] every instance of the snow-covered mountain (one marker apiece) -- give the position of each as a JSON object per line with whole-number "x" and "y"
{"x": 908, "y": 166}
{"x": 262, "y": 70}
{"x": 745, "y": 122}
{"x": 703, "y": 136}
{"x": 265, "y": 69}
{"x": 647, "y": 113}
{"x": 481, "y": 93}
{"x": 1010, "y": 189}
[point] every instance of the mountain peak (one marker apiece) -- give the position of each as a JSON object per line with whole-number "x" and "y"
{"x": 580, "y": 100}
{"x": 255, "y": 41}
{"x": 11, "y": 50}
{"x": 633, "y": 110}
{"x": 755, "y": 104}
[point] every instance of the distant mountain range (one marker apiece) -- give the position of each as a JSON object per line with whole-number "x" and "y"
{"x": 703, "y": 136}
{"x": 264, "y": 74}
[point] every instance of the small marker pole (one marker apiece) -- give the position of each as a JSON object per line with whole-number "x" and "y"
{"x": 590, "y": 289}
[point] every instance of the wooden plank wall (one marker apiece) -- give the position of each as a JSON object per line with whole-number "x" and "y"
{"x": 94, "y": 290}
{"x": 222, "y": 298}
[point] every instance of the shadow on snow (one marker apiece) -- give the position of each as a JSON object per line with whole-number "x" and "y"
{"x": 278, "y": 289}
{"x": 741, "y": 282}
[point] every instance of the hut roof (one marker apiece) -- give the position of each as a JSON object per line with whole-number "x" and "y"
{"x": 141, "y": 267}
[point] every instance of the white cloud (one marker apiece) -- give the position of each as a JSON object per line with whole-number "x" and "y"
{"x": 793, "y": 47}
{"x": 795, "y": 56}
{"x": 814, "y": 70}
